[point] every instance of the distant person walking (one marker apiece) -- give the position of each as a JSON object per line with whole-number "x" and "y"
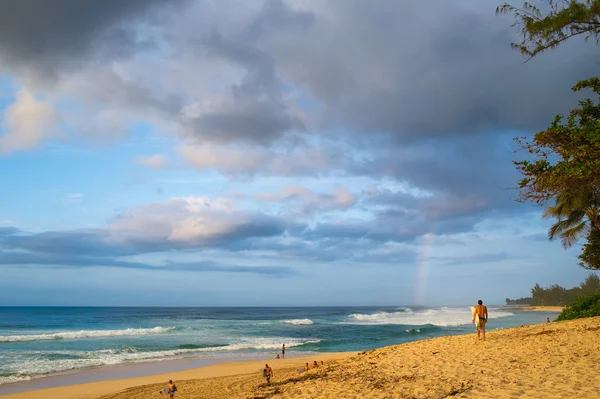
{"x": 268, "y": 372}
{"x": 482, "y": 312}
{"x": 283, "y": 351}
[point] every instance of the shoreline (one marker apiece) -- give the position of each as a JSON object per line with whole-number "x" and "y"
{"x": 95, "y": 388}
{"x": 557, "y": 309}
{"x": 512, "y": 362}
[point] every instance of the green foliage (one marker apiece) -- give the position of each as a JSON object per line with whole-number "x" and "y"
{"x": 563, "y": 20}
{"x": 566, "y": 166}
{"x": 590, "y": 254}
{"x": 565, "y": 156}
{"x": 556, "y": 295}
{"x": 586, "y": 306}
{"x": 576, "y": 212}
{"x": 520, "y": 301}
{"x": 564, "y": 161}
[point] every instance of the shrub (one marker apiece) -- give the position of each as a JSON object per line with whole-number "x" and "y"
{"x": 586, "y": 306}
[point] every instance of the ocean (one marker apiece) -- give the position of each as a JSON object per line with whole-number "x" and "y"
{"x": 41, "y": 341}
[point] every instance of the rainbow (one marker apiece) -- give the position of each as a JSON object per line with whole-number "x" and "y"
{"x": 422, "y": 268}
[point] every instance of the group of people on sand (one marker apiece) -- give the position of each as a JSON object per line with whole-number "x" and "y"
{"x": 314, "y": 365}
{"x": 480, "y": 313}
{"x": 282, "y": 352}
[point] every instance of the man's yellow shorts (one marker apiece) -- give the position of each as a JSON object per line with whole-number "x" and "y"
{"x": 480, "y": 324}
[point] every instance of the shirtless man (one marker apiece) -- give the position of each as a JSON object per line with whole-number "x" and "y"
{"x": 172, "y": 389}
{"x": 480, "y": 310}
{"x": 283, "y": 351}
{"x": 268, "y": 373}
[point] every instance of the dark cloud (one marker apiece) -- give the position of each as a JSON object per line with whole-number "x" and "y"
{"x": 52, "y": 35}
{"x": 255, "y": 110}
{"x": 7, "y": 231}
{"x": 427, "y": 69}
{"x": 68, "y": 260}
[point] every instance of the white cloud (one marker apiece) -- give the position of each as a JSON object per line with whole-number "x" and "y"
{"x": 189, "y": 221}
{"x": 308, "y": 202}
{"x": 26, "y": 123}
{"x": 74, "y": 197}
{"x": 156, "y": 161}
{"x": 250, "y": 160}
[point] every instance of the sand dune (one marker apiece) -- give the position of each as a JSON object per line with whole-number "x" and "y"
{"x": 557, "y": 360}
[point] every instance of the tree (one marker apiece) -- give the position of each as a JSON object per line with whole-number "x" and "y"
{"x": 564, "y": 19}
{"x": 576, "y": 212}
{"x": 590, "y": 253}
{"x": 565, "y": 162}
{"x": 566, "y": 156}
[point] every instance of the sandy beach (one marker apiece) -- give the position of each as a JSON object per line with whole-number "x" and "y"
{"x": 556, "y": 360}
{"x": 187, "y": 381}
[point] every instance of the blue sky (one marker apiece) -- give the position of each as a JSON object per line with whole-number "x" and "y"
{"x": 272, "y": 153}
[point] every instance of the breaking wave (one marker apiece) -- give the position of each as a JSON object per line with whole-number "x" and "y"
{"x": 444, "y": 317}
{"x": 34, "y": 364}
{"x": 85, "y": 334}
{"x": 299, "y": 322}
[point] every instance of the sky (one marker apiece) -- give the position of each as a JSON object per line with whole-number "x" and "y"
{"x": 277, "y": 152}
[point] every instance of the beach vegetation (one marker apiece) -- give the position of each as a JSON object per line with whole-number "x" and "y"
{"x": 586, "y": 306}
{"x": 577, "y": 214}
{"x": 520, "y": 301}
{"x": 565, "y": 165}
{"x": 555, "y": 295}
{"x": 563, "y": 161}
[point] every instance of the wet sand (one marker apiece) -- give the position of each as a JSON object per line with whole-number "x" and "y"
{"x": 159, "y": 381}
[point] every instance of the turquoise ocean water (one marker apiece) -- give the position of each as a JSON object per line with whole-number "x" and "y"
{"x": 41, "y": 341}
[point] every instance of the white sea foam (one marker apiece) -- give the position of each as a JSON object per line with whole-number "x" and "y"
{"x": 85, "y": 334}
{"x": 300, "y": 322}
{"x": 14, "y": 378}
{"x": 32, "y": 364}
{"x": 444, "y": 317}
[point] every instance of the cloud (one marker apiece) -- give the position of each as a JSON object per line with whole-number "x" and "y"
{"x": 256, "y": 109}
{"x": 240, "y": 160}
{"x": 75, "y": 197}
{"x": 68, "y": 261}
{"x": 50, "y": 38}
{"x": 26, "y": 123}
{"x": 156, "y": 161}
{"x": 189, "y": 222}
{"x": 176, "y": 224}
{"x": 423, "y": 97}
{"x": 417, "y": 72}
{"x": 477, "y": 259}
{"x": 306, "y": 202}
